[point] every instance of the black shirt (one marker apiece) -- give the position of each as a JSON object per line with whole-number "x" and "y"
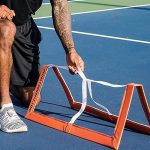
{"x": 23, "y": 9}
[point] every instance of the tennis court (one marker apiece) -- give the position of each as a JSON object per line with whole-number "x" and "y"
{"x": 113, "y": 38}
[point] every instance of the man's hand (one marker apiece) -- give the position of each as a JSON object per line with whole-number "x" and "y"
{"x": 6, "y": 13}
{"x": 74, "y": 61}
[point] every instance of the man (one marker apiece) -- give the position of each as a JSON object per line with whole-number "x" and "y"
{"x": 19, "y": 54}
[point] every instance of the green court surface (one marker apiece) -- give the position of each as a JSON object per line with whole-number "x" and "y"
{"x": 92, "y": 5}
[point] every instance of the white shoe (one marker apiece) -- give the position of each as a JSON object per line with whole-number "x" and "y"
{"x": 10, "y": 121}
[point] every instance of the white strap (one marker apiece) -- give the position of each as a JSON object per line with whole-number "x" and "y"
{"x": 91, "y": 95}
{"x": 62, "y": 67}
{"x": 84, "y": 102}
{"x": 107, "y": 84}
{"x": 86, "y": 83}
{"x": 84, "y": 92}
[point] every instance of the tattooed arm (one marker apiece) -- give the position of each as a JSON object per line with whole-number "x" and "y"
{"x": 62, "y": 23}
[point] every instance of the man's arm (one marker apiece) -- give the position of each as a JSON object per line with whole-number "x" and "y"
{"x": 62, "y": 23}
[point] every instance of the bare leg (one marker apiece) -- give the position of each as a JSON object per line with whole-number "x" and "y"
{"x": 10, "y": 122}
{"x": 7, "y": 33}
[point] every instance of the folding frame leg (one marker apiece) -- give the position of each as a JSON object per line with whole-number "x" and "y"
{"x": 143, "y": 101}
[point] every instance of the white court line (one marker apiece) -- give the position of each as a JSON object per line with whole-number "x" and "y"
{"x": 88, "y": 12}
{"x": 68, "y": 1}
{"x": 101, "y": 35}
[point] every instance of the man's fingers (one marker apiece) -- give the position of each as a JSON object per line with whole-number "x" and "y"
{"x": 72, "y": 70}
{"x": 3, "y": 15}
{"x": 79, "y": 64}
{"x": 13, "y": 13}
{"x": 5, "y": 8}
{"x": 75, "y": 62}
{"x": 9, "y": 17}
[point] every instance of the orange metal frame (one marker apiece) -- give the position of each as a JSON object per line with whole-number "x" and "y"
{"x": 121, "y": 120}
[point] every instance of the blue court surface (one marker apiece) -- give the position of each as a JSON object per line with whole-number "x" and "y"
{"x": 115, "y": 46}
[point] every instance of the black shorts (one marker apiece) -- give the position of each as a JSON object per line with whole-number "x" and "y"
{"x": 25, "y": 51}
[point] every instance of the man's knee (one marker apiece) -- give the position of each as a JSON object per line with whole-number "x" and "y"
{"x": 7, "y": 28}
{"x": 7, "y": 33}
{"x": 24, "y": 94}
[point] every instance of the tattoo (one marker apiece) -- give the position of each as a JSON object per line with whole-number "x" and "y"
{"x": 62, "y": 22}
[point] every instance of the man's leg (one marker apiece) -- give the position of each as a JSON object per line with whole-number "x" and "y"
{"x": 24, "y": 94}
{"x": 26, "y": 67}
{"x": 9, "y": 120}
{"x": 7, "y": 33}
